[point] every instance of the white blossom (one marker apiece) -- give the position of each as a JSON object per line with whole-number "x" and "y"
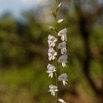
{"x": 63, "y": 59}
{"x": 53, "y": 89}
{"x": 51, "y": 69}
{"x": 63, "y": 34}
{"x": 62, "y": 46}
{"x": 61, "y": 100}
{"x": 51, "y": 54}
{"x": 63, "y": 78}
{"x": 60, "y": 20}
{"x": 51, "y": 40}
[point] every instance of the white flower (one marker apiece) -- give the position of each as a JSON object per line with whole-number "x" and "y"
{"x": 60, "y": 20}
{"x": 51, "y": 40}
{"x": 63, "y": 59}
{"x": 51, "y": 69}
{"x": 63, "y": 78}
{"x": 61, "y": 100}
{"x": 62, "y": 46}
{"x": 63, "y": 34}
{"x": 51, "y": 53}
{"x": 53, "y": 89}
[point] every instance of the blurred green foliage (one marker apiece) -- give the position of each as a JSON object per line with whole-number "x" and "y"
{"x": 23, "y": 58}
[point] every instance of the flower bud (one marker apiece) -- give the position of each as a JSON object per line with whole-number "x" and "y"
{"x": 51, "y": 27}
{"x": 60, "y": 20}
{"x": 59, "y": 5}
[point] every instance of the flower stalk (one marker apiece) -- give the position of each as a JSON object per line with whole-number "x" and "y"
{"x": 55, "y": 46}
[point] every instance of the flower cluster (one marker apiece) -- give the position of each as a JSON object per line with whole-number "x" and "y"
{"x": 63, "y": 34}
{"x": 51, "y": 52}
{"x": 55, "y": 46}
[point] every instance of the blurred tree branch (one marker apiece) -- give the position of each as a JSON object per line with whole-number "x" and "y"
{"x": 86, "y": 20}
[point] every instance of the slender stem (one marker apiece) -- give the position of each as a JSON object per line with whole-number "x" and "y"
{"x": 57, "y": 86}
{"x": 56, "y": 61}
{"x": 56, "y": 73}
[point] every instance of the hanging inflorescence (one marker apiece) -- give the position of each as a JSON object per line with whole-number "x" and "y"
{"x": 54, "y": 46}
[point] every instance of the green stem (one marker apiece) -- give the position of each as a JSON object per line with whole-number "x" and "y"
{"x": 57, "y": 86}
{"x": 56, "y": 74}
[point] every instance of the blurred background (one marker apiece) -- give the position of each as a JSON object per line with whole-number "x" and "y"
{"x": 23, "y": 50}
